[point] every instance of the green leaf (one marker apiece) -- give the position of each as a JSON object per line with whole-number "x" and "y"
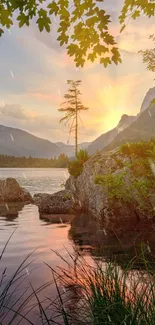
{"x": 122, "y": 28}
{"x": 72, "y": 49}
{"x": 92, "y": 21}
{"x": 136, "y": 14}
{"x": 5, "y": 18}
{"x": 105, "y": 61}
{"x": 92, "y": 56}
{"x": 54, "y": 8}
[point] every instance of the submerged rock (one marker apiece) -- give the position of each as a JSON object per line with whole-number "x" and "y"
{"x": 61, "y": 202}
{"x": 11, "y": 191}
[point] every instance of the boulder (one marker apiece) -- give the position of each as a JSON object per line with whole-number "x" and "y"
{"x": 38, "y": 197}
{"x": 61, "y": 202}
{"x": 11, "y": 191}
{"x": 115, "y": 213}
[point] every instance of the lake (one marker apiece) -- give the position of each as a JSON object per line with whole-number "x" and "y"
{"x": 32, "y": 233}
{"x": 43, "y": 239}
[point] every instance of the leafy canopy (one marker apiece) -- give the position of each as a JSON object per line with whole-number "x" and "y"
{"x": 83, "y": 26}
{"x": 149, "y": 56}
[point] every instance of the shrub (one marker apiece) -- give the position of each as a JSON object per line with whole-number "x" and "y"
{"x": 82, "y": 156}
{"x": 75, "y": 167}
{"x": 114, "y": 184}
{"x": 141, "y": 149}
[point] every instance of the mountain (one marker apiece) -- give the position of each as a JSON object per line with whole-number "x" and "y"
{"x": 102, "y": 141}
{"x": 148, "y": 99}
{"x": 69, "y": 150}
{"x": 15, "y": 142}
{"x": 143, "y": 128}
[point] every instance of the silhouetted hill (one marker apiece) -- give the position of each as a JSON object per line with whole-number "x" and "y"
{"x": 142, "y": 129}
{"x": 15, "y": 142}
{"x": 101, "y": 142}
{"x": 19, "y": 143}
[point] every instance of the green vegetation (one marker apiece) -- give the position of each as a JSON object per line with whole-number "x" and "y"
{"x": 83, "y": 27}
{"x": 23, "y": 162}
{"x": 133, "y": 180}
{"x": 149, "y": 56}
{"x": 112, "y": 296}
{"x": 142, "y": 149}
{"x": 114, "y": 184}
{"x": 75, "y": 167}
{"x": 72, "y": 108}
{"x": 95, "y": 294}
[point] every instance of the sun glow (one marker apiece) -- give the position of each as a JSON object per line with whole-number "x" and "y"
{"x": 114, "y": 102}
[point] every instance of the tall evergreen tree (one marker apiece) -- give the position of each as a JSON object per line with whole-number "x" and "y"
{"x": 72, "y": 107}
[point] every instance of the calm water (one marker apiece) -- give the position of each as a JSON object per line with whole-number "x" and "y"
{"x": 31, "y": 232}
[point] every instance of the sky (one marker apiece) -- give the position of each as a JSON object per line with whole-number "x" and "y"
{"x": 33, "y": 80}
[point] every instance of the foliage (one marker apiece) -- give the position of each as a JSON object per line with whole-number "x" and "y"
{"x": 141, "y": 149}
{"x": 149, "y": 56}
{"x": 82, "y": 156}
{"x": 114, "y": 184}
{"x": 135, "y": 182}
{"x": 75, "y": 167}
{"x": 104, "y": 294}
{"x": 18, "y": 162}
{"x": 135, "y": 9}
{"x": 119, "y": 162}
{"x": 72, "y": 107}
{"x": 82, "y": 26}
{"x": 99, "y": 293}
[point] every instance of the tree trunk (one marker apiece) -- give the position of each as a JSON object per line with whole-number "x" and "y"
{"x": 76, "y": 132}
{"x": 76, "y": 125}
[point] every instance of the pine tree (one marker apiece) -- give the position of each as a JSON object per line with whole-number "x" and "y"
{"x": 72, "y": 107}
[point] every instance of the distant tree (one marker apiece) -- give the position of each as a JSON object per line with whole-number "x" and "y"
{"x": 72, "y": 107}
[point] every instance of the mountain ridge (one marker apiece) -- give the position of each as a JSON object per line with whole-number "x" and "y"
{"x": 17, "y": 142}
{"x": 104, "y": 140}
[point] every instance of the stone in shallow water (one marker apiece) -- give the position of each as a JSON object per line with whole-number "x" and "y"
{"x": 61, "y": 202}
{"x": 11, "y": 191}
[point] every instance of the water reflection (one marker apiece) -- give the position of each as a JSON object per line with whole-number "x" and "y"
{"x": 122, "y": 244}
{"x": 10, "y": 210}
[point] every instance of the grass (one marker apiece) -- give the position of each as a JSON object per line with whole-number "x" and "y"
{"x": 86, "y": 294}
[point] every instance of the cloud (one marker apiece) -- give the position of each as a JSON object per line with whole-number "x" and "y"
{"x": 42, "y": 125}
{"x": 13, "y": 111}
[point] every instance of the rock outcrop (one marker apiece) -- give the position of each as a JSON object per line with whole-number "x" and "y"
{"x": 117, "y": 204}
{"x": 150, "y": 95}
{"x": 61, "y": 202}
{"x": 11, "y": 191}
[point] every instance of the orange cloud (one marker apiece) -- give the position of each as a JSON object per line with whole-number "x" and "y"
{"x": 47, "y": 97}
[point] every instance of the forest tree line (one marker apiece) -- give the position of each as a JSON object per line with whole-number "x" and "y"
{"x": 31, "y": 162}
